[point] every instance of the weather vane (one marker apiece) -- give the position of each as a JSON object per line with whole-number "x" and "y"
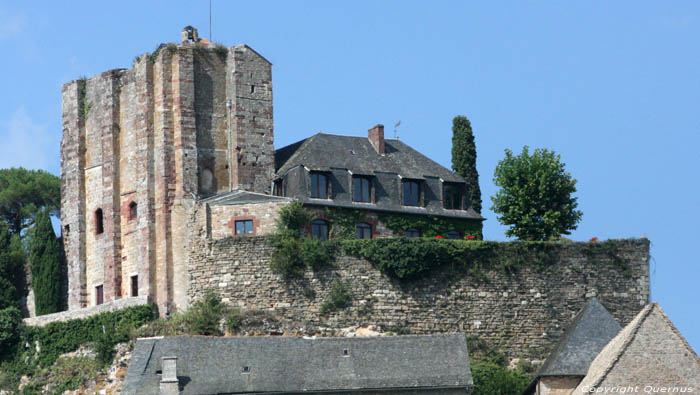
{"x": 396, "y": 134}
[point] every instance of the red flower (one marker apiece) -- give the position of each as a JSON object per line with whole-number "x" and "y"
{"x": 439, "y": 237}
{"x": 593, "y": 239}
{"x": 470, "y": 237}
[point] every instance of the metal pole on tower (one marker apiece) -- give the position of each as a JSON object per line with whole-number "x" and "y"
{"x": 210, "y": 37}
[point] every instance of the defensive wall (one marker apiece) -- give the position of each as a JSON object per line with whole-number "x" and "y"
{"x": 523, "y": 310}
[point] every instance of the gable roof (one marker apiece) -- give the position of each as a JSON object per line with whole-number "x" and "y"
{"x": 591, "y": 329}
{"x": 210, "y": 365}
{"x": 648, "y": 351}
{"x": 324, "y": 151}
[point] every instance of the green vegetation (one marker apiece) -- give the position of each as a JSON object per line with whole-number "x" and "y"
{"x": 293, "y": 253}
{"x": 339, "y": 297}
{"x": 464, "y": 158}
{"x": 431, "y": 226}
{"x": 45, "y": 257}
{"x": 84, "y": 105}
{"x": 32, "y": 350}
{"x": 12, "y": 278}
{"x": 24, "y": 193}
{"x": 535, "y": 198}
{"x": 491, "y": 373}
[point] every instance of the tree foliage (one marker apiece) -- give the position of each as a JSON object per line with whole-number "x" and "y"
{"x": 45, "y": 257}
{"x": 464, "y": 158}
{"x": 23, "y": 193}
{"x": 536, "y": 196}
{"x": 12, "y": 279}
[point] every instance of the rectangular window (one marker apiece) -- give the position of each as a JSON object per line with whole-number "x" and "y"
{"x": 362, "y": 189}
{"x": 411, "y": 193}
{"x": 364, "y": 231}
{"x": 453, "y": 196}
{"x": 279, "y": 188}
{"x": 319, "y": 185}
{"x": 244, "y": 227}
{"x": 134, "y": 285}
{"x": 99, "y": 295}
{"x": 319, "y": 230}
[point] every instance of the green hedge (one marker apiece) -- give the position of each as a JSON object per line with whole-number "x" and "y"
{"x": 58, "y": 338}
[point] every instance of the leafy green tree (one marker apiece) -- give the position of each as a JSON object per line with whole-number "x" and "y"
{"x": 464, "y": 158}
{"x": 10, "y": 327}
{"x": 493, "y": 379}
{"x": 12, "y": 278}
{"x": 45, "y": 257}
{"x": 23, "y": 193}
{"x": 536, "y": 196}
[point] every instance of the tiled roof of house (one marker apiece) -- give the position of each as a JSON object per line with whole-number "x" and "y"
{"x": 324, "y": 151}
{"x": 211, "y": 365}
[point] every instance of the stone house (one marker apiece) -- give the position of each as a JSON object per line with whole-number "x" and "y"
{"x": 291, "y": 365}
{"x": 590, "y": 330}
{"x": 181, "y": 146}
{"x": 648, "y": 356}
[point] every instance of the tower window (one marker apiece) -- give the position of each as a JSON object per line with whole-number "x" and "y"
{"x": 134, "y": 285}
{"x": 99, "y": 222}
{"x": 133, "y": 210}
{"x": 99, "y": 295}
{"x": 319, "y": 230}
{"x": 362, "y": 189}
{"x": 252, "y": 88}
{"x": 319, "y": 185}
{"x": 364, "y": 231}
{"x": 244, "y": 227}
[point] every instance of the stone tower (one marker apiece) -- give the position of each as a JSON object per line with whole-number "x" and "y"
{"x": 140, "y": 148}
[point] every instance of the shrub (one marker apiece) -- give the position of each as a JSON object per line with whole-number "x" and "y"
{"x": 339, "y": 297}
{"x": 11, "y": 325}
{"x": 316, "y": 254}
{"x": 69, "y": 374}
{"x": 205, "y": 315}
{"x": 493, "y": 379}
{"x": 293, "y": 217}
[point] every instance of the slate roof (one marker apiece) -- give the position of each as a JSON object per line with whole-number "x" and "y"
{"x": 325, "y": 151}
{"x": 649, "y": 351}
{"x": 242, "y": 197}
{"x": 211, "y": 365}
{"x": 590, "y": 330}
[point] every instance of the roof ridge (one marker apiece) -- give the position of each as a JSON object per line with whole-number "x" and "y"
{"x": 676, "y": 331}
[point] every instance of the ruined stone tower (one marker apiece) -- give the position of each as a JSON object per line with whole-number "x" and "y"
{"x": 141, "y": 146}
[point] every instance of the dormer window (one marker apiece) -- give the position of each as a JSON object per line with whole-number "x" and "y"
{"x": 411, "y": 193}
{"x": 319, "y": 185}
{"x": 362, "y": 189}
{"x": 279, "y": 189}
{"x": 453, "y": 196}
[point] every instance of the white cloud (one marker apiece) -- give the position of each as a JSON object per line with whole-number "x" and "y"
{"x": 28, "y": 144}
{"x": 11, "y": 24}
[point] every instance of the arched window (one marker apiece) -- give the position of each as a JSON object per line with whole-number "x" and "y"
{"x": 133, "y": 210}
{"x": 412, "y": 232}
{"x": 99, "y": 222}
{"x": 319, "y": 229}
{"x": 454, "y": 235}
{"x": 364, "y": 231}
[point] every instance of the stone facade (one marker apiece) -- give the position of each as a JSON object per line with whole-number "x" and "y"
{"x": 140, "y": 148}
{"x": 557, "y": 385}
{"x": 87, "y": 312}
{"x": 524, "y": 313}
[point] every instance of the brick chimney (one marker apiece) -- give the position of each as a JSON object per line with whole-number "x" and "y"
{"x": 376, "y": 137}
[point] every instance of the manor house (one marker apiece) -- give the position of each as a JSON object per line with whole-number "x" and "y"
{"x": 181, "y": 146}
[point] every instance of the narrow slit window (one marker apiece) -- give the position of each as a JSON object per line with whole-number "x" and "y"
{"x": 252, "y": 89}
{"x": 99, "y": 222}
{"x": 99, "y": 295}
{"x": 133, "y": 210}
{"x": 134, "y": 285}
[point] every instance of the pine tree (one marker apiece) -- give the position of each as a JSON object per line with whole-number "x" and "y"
{"x": 45, "y": 256}
{"x": 464, "y": 158}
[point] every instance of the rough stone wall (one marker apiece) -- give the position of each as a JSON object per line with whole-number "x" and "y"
{"x": 557, "y": 385}
{"x": 524, "y": 313}
{"x": 88, "y": 311}
{"x": 219, "y": 221}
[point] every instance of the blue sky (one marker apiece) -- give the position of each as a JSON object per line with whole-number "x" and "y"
{"x": 613, "y": 87}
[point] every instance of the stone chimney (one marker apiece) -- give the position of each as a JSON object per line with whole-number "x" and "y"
{"x": 169, "y": 384}
{"x": 376, "y": 137}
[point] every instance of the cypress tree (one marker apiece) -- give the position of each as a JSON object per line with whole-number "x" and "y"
{"x": 464, "y": 158}
{"x": 45, "y": 255}
{"x": 11, "y": 268}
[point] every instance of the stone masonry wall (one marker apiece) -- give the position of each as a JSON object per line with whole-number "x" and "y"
{"x": 524, "y": 313}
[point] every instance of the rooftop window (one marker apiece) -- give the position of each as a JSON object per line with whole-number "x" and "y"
{"x": 411, "y": 193}
{"x": 362, "y": 189}
{"x": 453, "y": 196}
{"x": 319, "y": 185}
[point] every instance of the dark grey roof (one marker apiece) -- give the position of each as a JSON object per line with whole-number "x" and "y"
{"x": 212, "y": 365}
{"x": 592, "y": 328}
{"x": 242, "y": 197}
{"x": 325, "y": 151}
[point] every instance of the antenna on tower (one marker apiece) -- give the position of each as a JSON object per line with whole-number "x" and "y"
{"x": 396, "y": 134}
{"x": 211, "y": 39}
